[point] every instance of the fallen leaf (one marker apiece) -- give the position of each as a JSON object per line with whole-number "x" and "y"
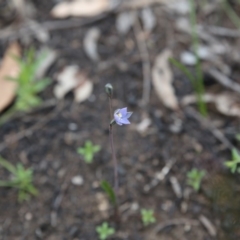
{"x": 90, "y": 43}
{"x": 226, "y": 103}
{"x": 80, "y": 8}
{"x": 83, "y": 91}
{"x": 143, "y": 125}
{"x": 125, "y": 21}
{"x": 67, "y": 81}
{"x": 9, "y": 68}
{"x": 148, "y": 19}
{"x": 162, "y": 78}
{"x": 49, "y": 57}
{"x": 72, "y": 79}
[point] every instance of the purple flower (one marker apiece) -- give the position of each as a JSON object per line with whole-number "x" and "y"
{"x": 121, "y": 116}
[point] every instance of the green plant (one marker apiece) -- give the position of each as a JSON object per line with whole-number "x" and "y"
{"x": 231, "y": 13}
{"x": 109, "y": 191}
{"x": 194, "y": 178}
{"x": 147, "y": 216}
{"x": 196, "y": 80}
{"x": 28, "y": 85}
{"x": 104, "y": 231}
{"x": 21, "y": 179}
{"x": 88, "y": 151}
{"x": 233, "y": 164}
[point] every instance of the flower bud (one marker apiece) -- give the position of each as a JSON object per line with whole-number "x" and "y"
{"x": 109, "y": 89}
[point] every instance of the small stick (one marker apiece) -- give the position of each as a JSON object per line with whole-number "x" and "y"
{"x": 142, "y": 46}
{"x": 224, "y": 80}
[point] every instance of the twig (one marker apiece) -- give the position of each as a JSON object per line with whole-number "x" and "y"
{"x": 142, "y": 46}
{"x": 159, "y": 176}
{"x": 173, "y": 222}
{"x": 224, "y": 80}
{"x": 113, "y": 149}
{"x": 222, "y": 32}
{"x": 209, "y": 126}
{"x": 208, "y": 225}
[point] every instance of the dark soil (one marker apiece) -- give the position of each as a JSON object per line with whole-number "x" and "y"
{"x": 66, "y": 211}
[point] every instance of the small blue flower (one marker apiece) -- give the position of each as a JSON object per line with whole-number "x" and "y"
{"x": 121, "y": 116}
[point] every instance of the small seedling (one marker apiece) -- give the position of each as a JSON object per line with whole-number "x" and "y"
{"x": 28, "y": 85}
{"x": 147, "y": 216}
{"x": 195, "y": 177}
{"x": 233, "y": 164}
{"x": 21, "y": 179}
{"x": 88, "y": 151}
{"x": 104, "y": 231}
{"x": 109, "y": 191}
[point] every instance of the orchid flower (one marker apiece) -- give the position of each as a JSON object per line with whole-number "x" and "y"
{"x": 121, "y": 116}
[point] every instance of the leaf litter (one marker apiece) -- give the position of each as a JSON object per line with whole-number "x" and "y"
{"x": 162, "y": 78}
{"x": 72, "y": 79}
{"x": 10, "y": 68}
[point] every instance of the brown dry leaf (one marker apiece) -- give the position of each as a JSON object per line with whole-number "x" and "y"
{"x": 9, "y": 68}
{"x": 71, "y": 79}
{"x": 80, "y": 8}
{"x": 83, "y": 90}
{"x": 162, "y": 78}
{"x": 226, "y": 103}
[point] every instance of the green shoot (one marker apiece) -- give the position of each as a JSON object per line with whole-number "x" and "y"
{"x": 28, "y": 85}
{"x": 88, "y": 151}
{"x": 147, "y": 216}
{"x": 233, "y": 164}
{"x": 231, "y": 13}
{"x": 21, "y": 179}
{"x": 238, "y": 137}
{"x": 109, "y": 191}
{"x": 104, "y": 231}
{"x": 197, "y": 81}
{"x": 195, "y": 177}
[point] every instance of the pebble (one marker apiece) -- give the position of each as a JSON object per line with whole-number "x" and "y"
{"x": 77, "y": 180}
{"x": 188, "y": 58}
{"x": 72, "y": 126}
{"x": 28, "y": 216}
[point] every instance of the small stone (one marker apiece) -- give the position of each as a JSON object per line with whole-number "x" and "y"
{"x": 134, "y": 206}
{"x": 28, "y": 216}
{"x": 77, "y": 180}
{"x": 72, "y": 126}
{"x": 188, "y": 58}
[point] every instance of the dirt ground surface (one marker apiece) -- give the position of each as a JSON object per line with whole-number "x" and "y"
{"x": 178, "y": 139}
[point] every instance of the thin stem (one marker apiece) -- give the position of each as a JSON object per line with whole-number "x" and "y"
{"x": 113, "y": 151}
{"x": 114, "y": 161}
{"x": 199, "y": 86}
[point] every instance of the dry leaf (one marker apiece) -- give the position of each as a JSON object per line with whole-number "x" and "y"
{"x": 162, "y": 80}
{"x": 143, "y": 125}
{"x": 71, "y": 79}
{"x": 125, "y": 21}
{"x": 90, "y": 43}
{"x": 9, "y": 68}
{"x": 226, "y": 103}
{"x": 83, "y": 91}
{"x": 80, "y": 8}
{"x": 148, "y": 19}
{"x": 67, "y": 81}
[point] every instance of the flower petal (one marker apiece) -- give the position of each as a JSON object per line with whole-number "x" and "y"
{"x": 129, "y": 114}
{"x": 125, "y": 121}
{"x": 123, "y": 111}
